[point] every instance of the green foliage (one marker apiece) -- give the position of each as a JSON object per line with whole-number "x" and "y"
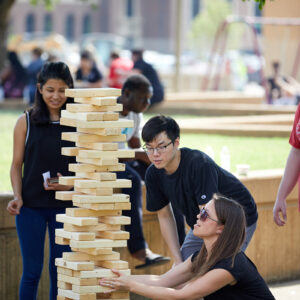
{"x": 261, "y": 3}
{"x": 206, "y": 24}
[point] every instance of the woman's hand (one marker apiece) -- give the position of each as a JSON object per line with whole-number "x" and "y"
{"x": 56, "y": 186}
{"x": 14, "y": 206}
{"x": 122, "y": 282}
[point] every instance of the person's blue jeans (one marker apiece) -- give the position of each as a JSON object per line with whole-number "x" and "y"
{"x": 31, "y": 226}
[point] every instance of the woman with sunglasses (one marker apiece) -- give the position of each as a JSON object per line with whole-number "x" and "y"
{"x": 220, "y": 270}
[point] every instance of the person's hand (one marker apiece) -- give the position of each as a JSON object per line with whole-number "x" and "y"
{"x": 279, "y": 207}
{"x": 56, "y": 186}
{"x": 14, "y": 206}
{"x": 122, "y": 282}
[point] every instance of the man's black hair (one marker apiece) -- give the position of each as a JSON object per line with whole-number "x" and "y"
{"x": 159, "y": 124}
{"x": 136, "y": 82}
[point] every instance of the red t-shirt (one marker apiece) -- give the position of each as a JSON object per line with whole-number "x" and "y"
{"x": 295, "y": 141}
{"x": 118, "y": 72}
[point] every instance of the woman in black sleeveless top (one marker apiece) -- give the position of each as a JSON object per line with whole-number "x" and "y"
{"x": 219, "y": 271}
{"x": 37, "y": 148}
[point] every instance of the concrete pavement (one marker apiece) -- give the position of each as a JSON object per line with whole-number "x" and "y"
{"x": 286, "y": 291}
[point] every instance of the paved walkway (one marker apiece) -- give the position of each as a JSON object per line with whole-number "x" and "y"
{"x": 286, "y": 291}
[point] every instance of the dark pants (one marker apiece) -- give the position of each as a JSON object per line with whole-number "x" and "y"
{"x": 136, "y": 241}
{"x": 31, "y": 226}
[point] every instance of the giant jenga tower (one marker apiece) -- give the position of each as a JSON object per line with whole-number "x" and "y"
{"x": 93, "y": 227}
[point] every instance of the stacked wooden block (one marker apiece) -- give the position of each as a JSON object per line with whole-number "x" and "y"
{"x": 93, "y": 227}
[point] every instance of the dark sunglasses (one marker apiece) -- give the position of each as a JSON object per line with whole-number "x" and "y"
{"x": 204, "y": 215}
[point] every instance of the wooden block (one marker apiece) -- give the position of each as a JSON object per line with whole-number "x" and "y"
{"x": 94, "y": 251}
{"x": 98, "y": 243}
{"x": 106, "y": 154}
{"x": 78, "y": 236}
{"x": 90, "y": 184}
{"x": 98, "y": 273}
{"x": 81, "y": 256}
{"x": 118, "y": 295}
{"x": 83, "y": 138}
{"x": 64, "y": 195}
{"x": 69, "y": 151}
{"x": 83, "y": 212}
{"x": 95, "y": 191}
{"x": 101, "y": 176}
{"x": 76, "y": 296}
{"x": 120, "y": 220}
{"x": 101, "y": 131}
{"x": 92, "y": 228}
{"x": 122, "y": 205}
{"x": 92, "y": 92}
{"x": 65, "y": 298}
{"x": 90, "y": 116}
{"x": 99, "y": 146}
{"x": 114, "y": 264}
{"x": 61, "y": 241}
{"x": 101, "y": 199}
{"x": 99, "y": 161}
{"x": 68, "y": 122}
{"x": 68, "y": 180}
{"x": 105, "y": 124}
{"x": 64, "y": 271}
{"x": 64, "y": 285}
{"x": 113, "y": 235}
{"x": 80, "y": 221}
{"x": 75, "y": 107}
{"x": 89, "y": 289}
{"x": 75, "y": 265}
{"x": 99, "y": 139}
{"x": 100, "y": 101}
{"x": 96, "y": 206}
{"x": 84, "y": 167}
{"x": 76, "y": 280}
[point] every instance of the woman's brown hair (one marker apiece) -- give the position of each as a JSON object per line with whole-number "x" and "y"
{"x": 231, "y": 215}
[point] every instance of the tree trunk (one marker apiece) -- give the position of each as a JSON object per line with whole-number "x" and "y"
{"x": 5, "y": 7}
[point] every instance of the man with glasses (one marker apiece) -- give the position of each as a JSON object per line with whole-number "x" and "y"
{"x": 186, "y": 179}
{"x": 135, "y": 98}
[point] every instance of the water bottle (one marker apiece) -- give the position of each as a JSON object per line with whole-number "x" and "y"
{"x": 210, "y": 152}
{"x": 225, "y": 158}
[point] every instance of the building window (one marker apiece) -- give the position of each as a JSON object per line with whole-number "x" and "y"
{"x": 87, "y": 24}
{"x": 195, "y": 8}
{"x": 30, "y": 23}
{"x": 48, "y": 23}
{"x": 129, "y": 8}
{"x": 70, "y": 24}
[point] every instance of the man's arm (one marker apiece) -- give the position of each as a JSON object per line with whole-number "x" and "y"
{"x": 288, "y": 181}
{"x": 169, "y": 231}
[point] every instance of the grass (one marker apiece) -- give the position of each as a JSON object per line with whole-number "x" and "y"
{"x": 259, "y": 152}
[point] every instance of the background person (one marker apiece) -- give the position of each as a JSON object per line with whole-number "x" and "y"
{"x": 88, "y": 75}
{"x": 186, "y": 179}
{"x": 220, "y": 270}
{"x": 119, "y": 70}
{"x": 291, "y": 174}
{"x": 135, "y": 98}
{"x": 13, "y": 77}
{"x": 142, "y": 67}
{"x": 33, "y": 70}
{"x": 36, "y": 150}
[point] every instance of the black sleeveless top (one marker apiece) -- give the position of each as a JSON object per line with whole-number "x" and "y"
{"x": 43, "y": 153}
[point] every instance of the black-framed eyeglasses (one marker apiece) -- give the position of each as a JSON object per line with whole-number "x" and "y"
{"x": 159, "y": 150}
{"x": 204, "y": 215}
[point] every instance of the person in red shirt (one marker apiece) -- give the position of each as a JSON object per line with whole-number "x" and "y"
{"x": 118, "y": 70}
{"x": 291, "y": 174}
